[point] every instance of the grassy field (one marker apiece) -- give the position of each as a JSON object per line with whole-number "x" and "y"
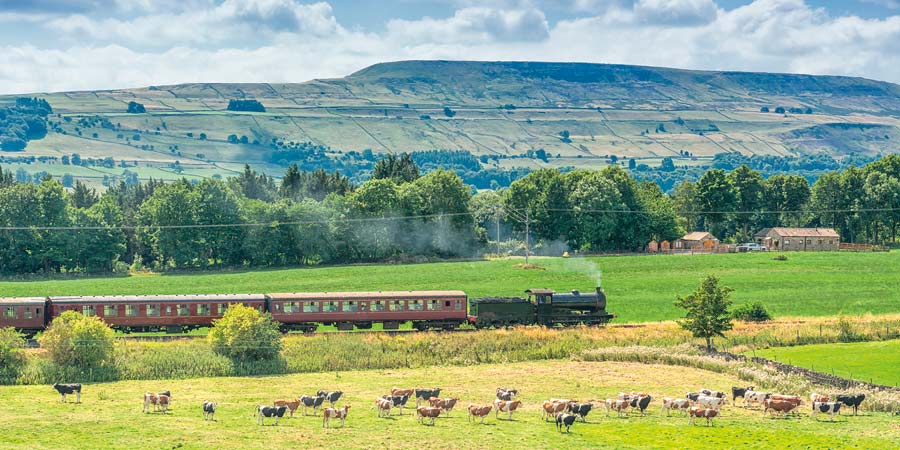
{"x": 876, "y": 362}
{"x": 639, "y": 288}
{"x": 109, "y": 417}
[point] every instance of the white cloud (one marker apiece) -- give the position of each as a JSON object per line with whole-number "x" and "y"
{"x": 473, "y": 25}
{"x": 676, "y": 12}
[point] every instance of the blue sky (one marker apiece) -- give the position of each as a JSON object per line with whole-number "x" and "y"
{"x": 53, "y": 45}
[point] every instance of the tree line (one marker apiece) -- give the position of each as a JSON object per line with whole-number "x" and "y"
{"x": 318, "y": 217}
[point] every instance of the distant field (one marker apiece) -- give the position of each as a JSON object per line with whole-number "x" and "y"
{"x": 877, "y": 362}
{"x": 639, "y": 288}
{"x": 110, "y": 416}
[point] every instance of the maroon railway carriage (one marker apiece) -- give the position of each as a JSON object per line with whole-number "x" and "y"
{"x": 26, "y": 314}
{"x": 346, "y": 310}
{"x": 171, "y": 313}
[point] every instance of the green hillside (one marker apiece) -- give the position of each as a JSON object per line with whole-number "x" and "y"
{"x": 580, "y": 114}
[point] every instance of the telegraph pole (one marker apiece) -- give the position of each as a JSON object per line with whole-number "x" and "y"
{"x": 527, "y": 223}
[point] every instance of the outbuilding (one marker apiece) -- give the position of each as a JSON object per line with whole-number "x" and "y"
{"x": 696, "y": 240}
{"x": 799, "y": 239}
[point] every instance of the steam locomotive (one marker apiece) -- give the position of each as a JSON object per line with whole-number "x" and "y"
{"x": 426, "y": 310}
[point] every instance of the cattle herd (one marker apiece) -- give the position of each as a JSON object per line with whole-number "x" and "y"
{"x": 703, "y": 404}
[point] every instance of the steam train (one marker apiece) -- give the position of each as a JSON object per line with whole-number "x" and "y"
{"x": 305, "y": 311}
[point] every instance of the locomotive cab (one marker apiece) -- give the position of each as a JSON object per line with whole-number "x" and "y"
{"x": 569, "y": 308}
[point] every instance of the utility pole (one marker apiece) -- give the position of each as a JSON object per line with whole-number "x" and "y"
{"x": 527, "y": 224}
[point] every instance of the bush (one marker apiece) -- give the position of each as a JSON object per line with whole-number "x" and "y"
{"x": 244, "y": 333}
{"x": 11, "y": 357}
{"x": 752, "y": 312}
{"x": 73, "y": 340}
{"x": 780, "y": 258}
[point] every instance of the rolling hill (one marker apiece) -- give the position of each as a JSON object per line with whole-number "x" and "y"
{"x": 580, "y": 114}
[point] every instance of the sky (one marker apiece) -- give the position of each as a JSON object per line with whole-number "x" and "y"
{"x": 64, "y": 45}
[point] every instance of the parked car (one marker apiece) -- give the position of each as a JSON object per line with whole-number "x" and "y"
{"x": 752, "y": 247}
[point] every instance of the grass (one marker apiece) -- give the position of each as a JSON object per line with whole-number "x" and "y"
{"x": 639, "y": 288}
{"x": 866, "y": 361}
{"x": 109, "y": 417}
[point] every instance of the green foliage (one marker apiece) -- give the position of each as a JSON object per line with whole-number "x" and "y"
{"x": 12, "y": 358}
{"x": 751, "y": 312}
{"x": 74, "y": 340}
{"x": 243, "y": 333}
{"x": 246, "y": 105}
{"x": 401, "y": 169}
{"x": 706, "y": 310}
{"x": 135, "y": 108}
{"x": 23, "y": 121}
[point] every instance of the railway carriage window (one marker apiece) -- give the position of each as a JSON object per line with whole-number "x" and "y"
{"x": 330, "y": 307}
{"x": 415, "y": 305}
{"x": 10, "y": 313}
{"x": 28, "y": 313}
{"x": 397, "y": 305}
{"x": 203, "y": 309}
{"x": 88, "y": 310}
{"x": 310, "y": 307}
{"x": 459, "y": 304}
{"x": 350, "y": 307}
{"x": 221, "y": 308}
{"x": 168, "y": 310}
{"x": 278, "y": 307}
{"x": 434, "y": 305}
{"x": 152, "y": 310}
{"x": 377, "y": 305}
{"x": 37, "y": 311}
{"x": 183, "y": 310}
{"x": 110, "y": 311}
{"x": 131, "y": 311}
{"x": 259, "y": 308}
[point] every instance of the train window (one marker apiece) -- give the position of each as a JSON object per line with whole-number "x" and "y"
{"x": 397, "y": 305}
{"x": 37, "y": 311}
{"x": 330, "y": 307}
{"x": 221, "y": 308}
{"x": 168, "y": 310}
{"x": 459, "y": 304}
{"x": 28, "y": 313}
{"x": 310, "y": 307}
{"x": 10, "y": 313}
{"x": 259, "y": 308}
{"x": 415, "y": 305}
{"x": 152, "y": 310}
{"x": 378, "y": 305}
{"x": 183, "y": 310}
{"x": 350, "y": 307}
{"x": 202, "y": 309}
{"x": 434, "y": 305}
{"x": 110, "y": 311}
{"x": 88, "y": 310}
{"x": 131, "y": 311}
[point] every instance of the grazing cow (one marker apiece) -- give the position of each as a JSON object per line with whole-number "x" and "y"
{"x": 159, "y": 401}
{"x": 782, "y": 407}
{"x": 551, "y": 408}
{"x": 209, "y": 410}
{"x": 309, "y": 401}
{"x": 383, "y": 406}
{"x": 827, "y": 408}
{"x": 164, "y": 402}
{"x": 740, "y": 392}
{"x": 332, "y": 413}
{"x": 330, "y": 397}
{"x": 478, "y": 411}
{"x": 427, "y": 412}
{"x": 852, "y": 401}
{"x": 564, "y": 420}
{"x": 425, "y": 394}
{"x": 641, "y": 403}
{"x": 400, "y": 392}
{"x": 291, "y": 405}
{"x": 269, "y": 411}
{"x": 787, "y": 398}
{"x": 705, "y": 413}
{"x": 67, "y": 389}
{"x": 506, "y": 406}
{"x": 705, "y": 401}
{"x": 692, "y": 396}
{"x": 817, "y": 398}
{"x": 398, "y": 401}
{"x": 711, "y": 393}
{"x": 507, "y": 394}
{"x": 580, "y": 410}
{"x": 754, "y": 397}
{"x": 680, "y": 404}
{"x": 619, "y": 406}
{"x": 446, "y": 404}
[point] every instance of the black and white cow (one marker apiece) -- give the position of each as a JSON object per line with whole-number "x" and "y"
{"x": 641, "y": 403}
{"x": 852, "y": 401}
{"x": 269, "y": 411}
{"x": 712, "y": 393}
{"x": 826, "y": 408}
{"x": 330, "y": 397}
{"x": 425, "y": 394}
{"x": 309, "y": 401}
{"x": 564, "y": 420}
{"x": 398, "y": 401}
{"x": 209, "y": 410}
{"x": 507, "y": 394}
{"x": 580, "y": 409}
{"x": 68, "y": 389}
{"x": 692, "y": 396}
{"x": 740, "y": 392}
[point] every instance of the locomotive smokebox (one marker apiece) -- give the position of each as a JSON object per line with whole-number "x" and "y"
{"x": 601, "y": 298}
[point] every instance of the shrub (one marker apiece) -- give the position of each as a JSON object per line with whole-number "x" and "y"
{"x": 244, "y": 333}
{"x": 11, "y": 357}
{"x": 74, "y": 340}
{"x": 751, "y": 312}
{"x": 780, "y": 258}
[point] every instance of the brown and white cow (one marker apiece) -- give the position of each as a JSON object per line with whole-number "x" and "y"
{"x": 334, "y": 413}
{"x": 782, "y": 407}
{"x": 678, "y": 404}
{"x": 291, "y": 405}
{"x": 618, "y": 405}
{"x": 478, "y": 411}
{"x": 705, "y": 401}
{"x": 446, "y": 404}
{"x": 550, "y": 408}
{"x": 159, "y": 401}
{"x": 427, "y": 412}
{"x": 400, "y": 391}
{"x": 706, "y": 413}
{"x": 507, "y": 406}
{"x": 383, "y": 406}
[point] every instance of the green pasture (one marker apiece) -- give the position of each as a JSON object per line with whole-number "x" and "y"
{"x": 639, "y": 288}
{"x": 110, "y": 416}
{"x": 877, "y": 362}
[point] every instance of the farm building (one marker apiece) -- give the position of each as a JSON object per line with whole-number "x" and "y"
{"x": 697, "y": 239}
{"x": 799, "y": 239}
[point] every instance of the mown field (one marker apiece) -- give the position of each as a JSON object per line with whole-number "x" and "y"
{"x": 639, "y": 288}
{"x": 877, "y": 362}
{"x": 110, "y": 416}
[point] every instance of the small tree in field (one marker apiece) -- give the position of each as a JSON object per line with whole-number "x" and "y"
{"x": 79, "y": 341}
{"x": 707, "y": 310}
{"x": 244, "y": 333}
{"x": 11, "y": 357}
